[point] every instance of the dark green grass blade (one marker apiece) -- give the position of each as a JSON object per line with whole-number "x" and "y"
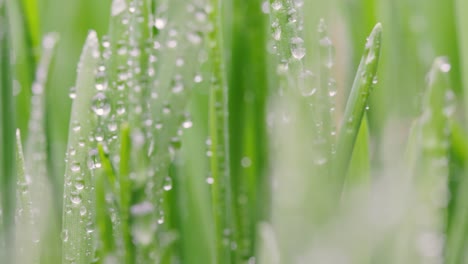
{"x": 78, "y": 185}
{"x": 357, "y": 103}
{"x": 7, "y": 138}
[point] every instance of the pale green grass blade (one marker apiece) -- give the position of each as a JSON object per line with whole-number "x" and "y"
{"x": 78, "y": 185}
{"x": 36, "y": 144}
{"x": 7, "y": 140}
{"x": 357, "y": 103}
{"x": 429, "y": 163}
{"x": 27, "y": 250}
{"x": 462, "y": 25}
{"x": 359, "y": 168}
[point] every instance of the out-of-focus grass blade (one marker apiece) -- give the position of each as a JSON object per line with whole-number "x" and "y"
{"x": 462, "y": 25}
{"x": 36, "y": 144}
{"x": 429, "y": 168}
{"x": 359, "y": 167}
{"x": 458, "y": 217}
{"x": 7, "y": 138}
{"x": 25, "y": 60}
{"x": 31, "y": 20}
{"x": 78, "y": 185}
{"x": 357, "y": 103}
{"x": 26, "y": 233}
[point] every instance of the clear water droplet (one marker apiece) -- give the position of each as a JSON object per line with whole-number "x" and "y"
{"x": 100, "y": 105}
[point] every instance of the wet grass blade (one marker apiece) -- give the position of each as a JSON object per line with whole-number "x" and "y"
{"x": 27, "y": 231}
{"x": 77, "y": 203}
{"x": 429, "y": 159}
{"x": 221, "y": 195}
{"x": 357, "y": 103}
{"x": 7, "y": 139}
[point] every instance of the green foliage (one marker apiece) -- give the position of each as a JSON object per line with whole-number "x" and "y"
{"x": 210, "y": 131}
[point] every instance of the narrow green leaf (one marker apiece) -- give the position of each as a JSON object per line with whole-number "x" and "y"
{"x": 27, "y": 231}
{"x": 125, "y": 193}
{"x": 103, "y": 220}
{"x": 221, "y": 195}
{"x": 7, "y": 138}
{"x": 78, "y": 185}
{"x": 462, "y": 24}
{"x": 357, "y": 103}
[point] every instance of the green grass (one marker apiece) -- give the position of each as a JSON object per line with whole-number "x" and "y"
{"x": 208, "y": 131}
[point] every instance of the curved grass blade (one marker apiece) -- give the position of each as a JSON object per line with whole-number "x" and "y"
{"x": 357, "y": 103}
{"x": 26, "y": 233}
{"x": 77, "y": 203}
{"x": 7, "y": 138}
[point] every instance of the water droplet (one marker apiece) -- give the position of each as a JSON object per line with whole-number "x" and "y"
{"x": 75, "y": 167}
{"x": 187, "y": 124}
{"x": 276, "y": 5}
{"x": 160, "y": 23}
{"x": 75, "y": 199}
{"x": 72, "y": 92}
{"x": 246, "y": 162}
{"x": 83, "y": 211}
{"x": 64, "y": 235}
{"x": 118, "y": 6}
{"x": 167, "y": 184}
{"x": 100, "y": 105}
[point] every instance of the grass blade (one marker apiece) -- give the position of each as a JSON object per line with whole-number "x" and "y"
{"x": 221, "y": 195}
{"x": 7, "y": 138}
{"x": 462, "y": 24}
{"x": 357, "y": 103}
{"x": 77, "y": 209}
{"x": 458, "y": 225}
{"x": 26, "y": 233}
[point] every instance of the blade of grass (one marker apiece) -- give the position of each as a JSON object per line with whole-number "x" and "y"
{"x": 462, "y": 24}
{"x": 126, "y": 194}
{"x": 26, "y": 233}
{"x": 77, "y": 209}
{"x": 429, "y": 165}
{"x": 7, "y": 138}
{"x": 357, "y": 103}
{"x": 103, "y": 220}
{"x": 221, "y": 195}
{"x": 458, "y": 226}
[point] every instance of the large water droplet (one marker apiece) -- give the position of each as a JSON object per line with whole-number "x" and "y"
{"x": 100, "y": 105}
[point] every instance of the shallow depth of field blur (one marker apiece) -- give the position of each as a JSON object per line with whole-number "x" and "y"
{"x": 233, "y": 131}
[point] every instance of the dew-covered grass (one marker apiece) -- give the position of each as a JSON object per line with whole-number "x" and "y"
{"x": 212, "y": 131}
